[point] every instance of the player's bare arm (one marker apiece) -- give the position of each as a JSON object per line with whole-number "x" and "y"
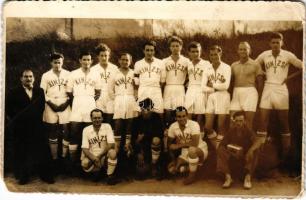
{"x": 63, "y": 106}
{"x": 172, "y": 145}
{"x": 91, "y": 157}
{"x": 136, "y": 81}
{"x": 293, "y": 75}
{"x": 53, "y": 106}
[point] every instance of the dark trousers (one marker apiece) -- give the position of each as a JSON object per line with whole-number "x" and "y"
{"x": 223, "y": 161}
{"x": 32, "y": 156}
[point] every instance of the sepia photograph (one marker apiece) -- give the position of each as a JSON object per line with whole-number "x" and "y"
{"x": 154, "y": 98}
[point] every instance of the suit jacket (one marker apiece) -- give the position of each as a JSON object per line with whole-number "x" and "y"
{"x": 25, "y": 114}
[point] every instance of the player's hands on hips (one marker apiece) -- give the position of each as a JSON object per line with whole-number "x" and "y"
{"x": 284, "y": 81}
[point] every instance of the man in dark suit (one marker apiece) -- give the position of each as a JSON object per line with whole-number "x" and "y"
{"x": 24, "y": 109}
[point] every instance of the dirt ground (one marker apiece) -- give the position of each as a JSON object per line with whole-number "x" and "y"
{"x": 279, "y": 185}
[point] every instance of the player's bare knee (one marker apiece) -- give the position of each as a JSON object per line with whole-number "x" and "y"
{"x": 85, "y": 163}
{"x": 156, "y": 141}
{"x": 192, "y": 152}
{"x": 112, "y": 154}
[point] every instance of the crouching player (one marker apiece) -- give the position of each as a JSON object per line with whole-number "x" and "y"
{"x": 98, "y": 148}
{"x": 147, "y": 142}
{"x": 187, "y": 149}
{"x": 238, "y": 143}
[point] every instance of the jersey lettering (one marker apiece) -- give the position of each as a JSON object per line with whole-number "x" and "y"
{"x": 195, "y": 72}
{"x": 57, "y": 82}
{"x": 150, "y": 70}
{"x": 82, "y": 80}
{"x": 97, "y": 139}
{"x": 105, "y": 76}
{"x": 174, "y": 67}
{"x": 124, "y": 80}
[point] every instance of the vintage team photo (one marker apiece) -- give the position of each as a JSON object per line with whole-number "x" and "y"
{"x": 154, "y": 106}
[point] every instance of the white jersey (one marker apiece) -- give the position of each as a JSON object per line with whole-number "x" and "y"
{"x": 150, "y": 74}
{"x": 219, "y": 78}
{"x": 122, "y": 84}
{"x": 191, "y": 128}
{"x": 54, "y": 86}
{"x": 195, "y": 72}
{"x": 277, "y": 67}
{"x": 82, "y": 84}
{"x": 105, "y": 74}
{"x": 97, "y": 142}
{"x": 176, "y": 71}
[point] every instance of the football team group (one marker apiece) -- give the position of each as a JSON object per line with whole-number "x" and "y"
{"x": 154, "y": 119}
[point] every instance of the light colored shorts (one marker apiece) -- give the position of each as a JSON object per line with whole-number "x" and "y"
{"x": 105, "y": 103}
{"x": 195, "y": 100}
{"x": 202, "y": 146}
{"x": 218, "y": 103}
{"x": 52, "y": 117}
{"x": 275, "y": 96}
{"x": 174, "y": 96}
{"x": 125, "y": 107}
{"x": 244, "y": 98}
{"x": 155, "y": 94}
{"x": 81, "y": 108}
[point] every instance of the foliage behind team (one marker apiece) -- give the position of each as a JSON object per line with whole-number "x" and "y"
{"x": 227, "y": 56}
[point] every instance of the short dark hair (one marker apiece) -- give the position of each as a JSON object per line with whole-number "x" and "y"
{"x": 96, "y": 110}
{"x": 180, "y": 109}
{"x": 175, "y": 39}
{"x": 84, "y": 52}
{"x": 239, "y": 113}
{"x": 26, "y": 70}
{"x": 56, "y": 55}
{"x": 149, "y": 43}
{"x": 194, "y": 44}
{"x": 125, "y": 54}
{"x": 102, "y": 47}
{"x": 215, "y": 47}
{"x": 276, "y": 35}
{"x": 147, "y": 104}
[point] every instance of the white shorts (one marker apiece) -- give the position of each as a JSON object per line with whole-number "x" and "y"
{"x": 81, "y": 108}
{"x": 174, "y": 96}
{"x": 155, "y": 94}
{"x": 125, "y": 107}
{"x": 275, "y": 97}
{"x": 105, "y": 103}
{"x": 202, "y": 146}
{"x": 218, "y": 103}
{"x": 52, "y": 117}
{"x": 195, "y": 100}
{"x": 244, "y": 98}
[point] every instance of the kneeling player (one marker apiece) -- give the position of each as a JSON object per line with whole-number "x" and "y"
{"x": 98, "y": 147}
{"x": 185, "y": 145}
{"x": 147, "y": 141}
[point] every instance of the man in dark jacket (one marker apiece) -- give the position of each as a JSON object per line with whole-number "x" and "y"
{"x": 241, "y": 144}
{"x": 24, "y": 109}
